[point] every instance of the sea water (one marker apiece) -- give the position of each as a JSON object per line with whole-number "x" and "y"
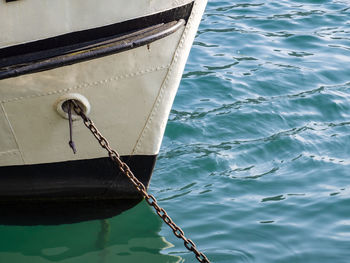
{"x": 255, "y": 162}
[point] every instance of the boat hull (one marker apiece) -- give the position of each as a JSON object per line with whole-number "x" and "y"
{"x": 93, "y": 179}
{"x": 130, "y": 93}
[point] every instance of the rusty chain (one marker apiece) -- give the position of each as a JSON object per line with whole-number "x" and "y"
{"x": 150, "y": 199}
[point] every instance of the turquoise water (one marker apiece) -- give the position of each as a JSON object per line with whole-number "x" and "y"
{"x": 255, "y": 161}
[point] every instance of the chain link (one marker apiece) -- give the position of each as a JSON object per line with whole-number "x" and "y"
{"x": 150, "y": 199}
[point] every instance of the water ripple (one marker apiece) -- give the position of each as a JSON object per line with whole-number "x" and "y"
{"x": 263, "y": 117}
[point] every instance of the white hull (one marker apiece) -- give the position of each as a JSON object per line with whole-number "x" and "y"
{"x": 131, "y": 93}
{"x": 25, "y": 21}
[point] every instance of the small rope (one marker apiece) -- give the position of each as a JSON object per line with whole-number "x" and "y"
{"x": 71, "y": 143}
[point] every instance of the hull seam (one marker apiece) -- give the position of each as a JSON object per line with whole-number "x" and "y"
{"x": 88, "y": 85}
{"x": 166, "y": 82}
{"x": 13, "y": 134}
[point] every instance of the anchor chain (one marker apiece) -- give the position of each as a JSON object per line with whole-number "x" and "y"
{"x": 150, "y": 199}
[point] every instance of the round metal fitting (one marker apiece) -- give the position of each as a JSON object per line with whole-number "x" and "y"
{"x": 61, "y": 105}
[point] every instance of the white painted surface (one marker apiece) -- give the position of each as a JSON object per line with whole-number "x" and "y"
{"x": 130, "y": 93}
{"x": 82, "y": 101}
{"x": 28, "y": 20}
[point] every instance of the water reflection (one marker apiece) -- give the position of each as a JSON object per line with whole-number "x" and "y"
{"x": 129, "y": 237}
{"x": 60, "y": 212}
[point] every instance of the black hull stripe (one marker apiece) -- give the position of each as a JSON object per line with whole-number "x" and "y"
{"x": 83, "y": 45}
{"x": 97, "y": 50}
{"x": 80, "y": 180}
